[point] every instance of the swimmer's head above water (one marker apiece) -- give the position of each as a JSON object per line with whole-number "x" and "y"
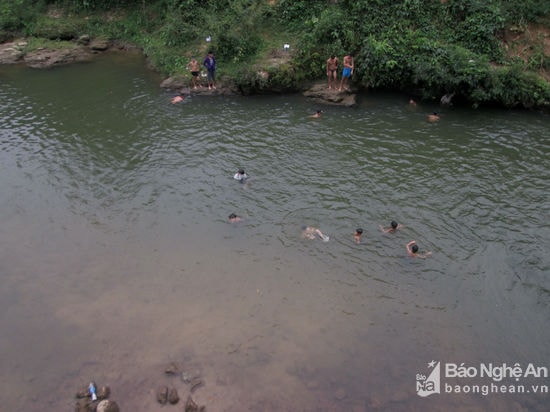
{"x": 241, "y": 176}
{"x": 234, "y": 218}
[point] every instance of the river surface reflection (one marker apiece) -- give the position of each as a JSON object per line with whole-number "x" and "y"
{"x": 117, "y": 258}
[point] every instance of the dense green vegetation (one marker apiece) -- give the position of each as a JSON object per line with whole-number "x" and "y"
{"x": 424, "y": 47}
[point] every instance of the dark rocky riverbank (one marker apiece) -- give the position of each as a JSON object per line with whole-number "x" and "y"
{"x": 85, "y": 49}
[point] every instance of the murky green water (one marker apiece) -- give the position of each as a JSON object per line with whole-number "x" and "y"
{"x": 116, "y": 257}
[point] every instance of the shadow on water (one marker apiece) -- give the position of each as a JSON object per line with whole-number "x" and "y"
{"x": 117, "y": 257}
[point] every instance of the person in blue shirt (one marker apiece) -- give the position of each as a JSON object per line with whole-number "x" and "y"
{"x": 210, "y": 64}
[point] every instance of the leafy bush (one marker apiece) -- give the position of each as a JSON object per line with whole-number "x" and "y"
{"x": 235, "y": 46}
{"x": 273, "y": 80}
{"x": 478, "y": 28}
{"x": 513, "y": 86}
{"x": 56, "y": 28}
{"x": 519, "y": 12}
{"x": 17, "y": 14}
{"x": 176, "y": 31}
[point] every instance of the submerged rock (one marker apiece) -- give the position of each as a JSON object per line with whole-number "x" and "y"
{"x": 83, "y": 392}
{"x": 107, "y": 406}
{"x": 103, "y": 392}
{"x": 173, "y": 396}
{"x": 196, "y": 383}
{"x": 191, "y": 406}
{"x": 171, "y": 369}
{"x": 85, "y": 405}
{"x": 162, "y": 395}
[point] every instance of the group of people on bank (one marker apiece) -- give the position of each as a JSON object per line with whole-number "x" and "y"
{"x": 332, "y": 68}
{"x": 209, "y": 63}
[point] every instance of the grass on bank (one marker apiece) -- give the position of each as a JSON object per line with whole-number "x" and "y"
{"x": 38, "y": 43}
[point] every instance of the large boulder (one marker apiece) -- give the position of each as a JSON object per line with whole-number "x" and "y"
{"x": 320, "y": 93}
{"x": 107, "y": 406}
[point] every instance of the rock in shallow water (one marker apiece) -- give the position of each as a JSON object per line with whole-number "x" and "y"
{"x": 162, "y": 395}
{"x": 107, "y": 406}
{"x": 103, "y": 392}
{"x": 173, "y": 396}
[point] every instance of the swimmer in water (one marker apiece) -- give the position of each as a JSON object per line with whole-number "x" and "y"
{"x": 241, "y": 176}
{"x": 357, "y": 235}
{"x": 233, "y": 218}
{"x": 434, "y": 117}
{"x": 178, "y": 98}
{"x": 412, "y": 250}
{"x": 309, "y": 232}
{"x": 317, "y": 114}
{"x": 394, "y": 226}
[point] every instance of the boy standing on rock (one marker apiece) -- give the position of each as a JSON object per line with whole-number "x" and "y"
{"x": 210, "y": 64}
{"x": 194, "y": 68}
{"x": 349, "y": 65}
{"x": 332, "y": 71}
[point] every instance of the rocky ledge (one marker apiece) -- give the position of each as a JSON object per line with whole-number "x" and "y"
{"x": 84, "y": 49}
{"x": 318, "y": 92}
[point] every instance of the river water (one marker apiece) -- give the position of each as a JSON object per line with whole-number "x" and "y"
{"x": 117, "y": 259}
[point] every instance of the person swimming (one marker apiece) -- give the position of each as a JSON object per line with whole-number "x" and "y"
{"x": 179, "y": 98}
{"x": 233, "y": 218}
{"x": 357, "y": 235}
{"x": 412, "y": 250}
{"x": 434, "y": 117}
{"x": 309, "y": 232}
{"x": 317, "y": 114}
{"x": 394, "y": 226}
{"x": 241, "y": 176}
